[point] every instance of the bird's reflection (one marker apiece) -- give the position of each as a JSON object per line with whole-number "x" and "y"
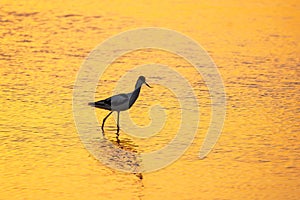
{"x": 115, "y": 152}
{"x": 117, "y": 134}
{"x": 127, "y": 145}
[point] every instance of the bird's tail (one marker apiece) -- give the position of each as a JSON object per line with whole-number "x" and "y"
{"x": 91, "y": 104}
{"x": 100, "y": 104}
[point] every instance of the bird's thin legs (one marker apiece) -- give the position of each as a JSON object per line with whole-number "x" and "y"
{"x": 118, "y": 128}
{"x": 105, "y": 120}
{"x": 118, "y": 125}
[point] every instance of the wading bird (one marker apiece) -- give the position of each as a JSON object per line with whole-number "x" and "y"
{"x": 120, "y": 102}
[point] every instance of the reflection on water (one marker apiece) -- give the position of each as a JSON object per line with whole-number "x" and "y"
{"x": 255, "y": 45}
{"x": 117, "y": 154}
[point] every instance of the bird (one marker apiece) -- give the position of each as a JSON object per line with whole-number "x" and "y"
{"x": 120, "y": 102}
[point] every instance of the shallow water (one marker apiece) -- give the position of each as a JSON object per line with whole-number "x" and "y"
{"x": 256, "y": 48}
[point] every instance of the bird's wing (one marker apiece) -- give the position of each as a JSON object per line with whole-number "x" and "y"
{"x": 107, "y": 101}
{"x": 119, "y": 99}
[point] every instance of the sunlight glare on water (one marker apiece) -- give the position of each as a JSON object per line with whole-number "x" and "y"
{"x": 255, "y": 46}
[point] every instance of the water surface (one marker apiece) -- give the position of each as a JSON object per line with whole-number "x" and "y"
{"x": 256, "y": 47}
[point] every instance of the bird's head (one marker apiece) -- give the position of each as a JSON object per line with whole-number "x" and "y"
{"x": 141, "y": 81}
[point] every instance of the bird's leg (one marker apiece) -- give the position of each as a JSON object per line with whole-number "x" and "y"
{"x": 105, "y": 120}
{"x": 118, "y": 126}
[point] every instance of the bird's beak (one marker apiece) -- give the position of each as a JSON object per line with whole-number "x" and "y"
{"x": 148, "y": 85}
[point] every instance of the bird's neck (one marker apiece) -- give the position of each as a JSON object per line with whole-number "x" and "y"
{"x": 138, "y": 85}
{"x": 134, "y": 96}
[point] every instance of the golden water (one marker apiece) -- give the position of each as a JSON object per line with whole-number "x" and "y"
{"x": 256, "y": 47}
